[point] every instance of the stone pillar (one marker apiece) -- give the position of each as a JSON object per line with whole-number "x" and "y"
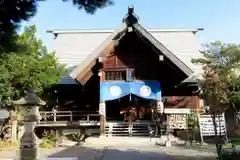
{"x": 59, "y": 137}
{"x": 28, "y": 148}
{"x": 14, "y": 125}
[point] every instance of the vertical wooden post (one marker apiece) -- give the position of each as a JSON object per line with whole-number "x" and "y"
{"x": 168, "y": 142}
{"x": 54, "y": 115}
{"x": 197, "y": 102}
{"x": 200, "y": 128}
{"x": 102, "y": 109}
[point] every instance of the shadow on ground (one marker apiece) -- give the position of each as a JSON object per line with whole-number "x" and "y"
{"x": 195, "y": 158}
{"x": 79, "y": 152}
{"x": 109, "y": 154}
{"x": 88, "y": 153}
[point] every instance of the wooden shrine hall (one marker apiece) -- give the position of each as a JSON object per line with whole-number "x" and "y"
{"x": 130, "y": 79}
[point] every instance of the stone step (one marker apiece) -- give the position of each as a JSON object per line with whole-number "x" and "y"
{"x": 120, "y": 140}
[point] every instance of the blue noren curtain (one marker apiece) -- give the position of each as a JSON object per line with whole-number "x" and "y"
{"x": 115, "y": 90}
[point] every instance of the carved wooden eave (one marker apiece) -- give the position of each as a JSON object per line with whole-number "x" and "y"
{"x": 87, "y": 72}
{"x": 83, "y": 71}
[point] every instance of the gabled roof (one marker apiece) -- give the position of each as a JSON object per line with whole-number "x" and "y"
{"x": 131, "y": 22}
{"x": 171, "y": 56}
{"x": 97, "y": 52}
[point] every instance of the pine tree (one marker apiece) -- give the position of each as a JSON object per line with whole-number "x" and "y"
{"x": 31, "y": 66}
{"x": 13, "y": 12}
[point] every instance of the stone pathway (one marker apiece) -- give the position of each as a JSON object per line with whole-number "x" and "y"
{"x": 118, "y": 149}
{"x": 129, "y": 154}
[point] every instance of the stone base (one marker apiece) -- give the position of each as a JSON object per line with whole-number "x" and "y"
{"x": 29, "y": 154}
{"x": 168, "y": 144}
{"x": 187, "y": 143}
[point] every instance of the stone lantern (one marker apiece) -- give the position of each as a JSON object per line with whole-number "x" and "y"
{"x": 28, "y": 146}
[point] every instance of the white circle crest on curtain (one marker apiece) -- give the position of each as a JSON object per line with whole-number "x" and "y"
{"x": 115, "y": 91}
{"x": 145, "y": 91}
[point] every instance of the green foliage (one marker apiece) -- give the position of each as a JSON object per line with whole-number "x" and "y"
{"x": 7, "y": 144}
{"x": 12, "y": 13}
{"x": 16, "y": 11}
{"x": 31, "y": 66}
{"x": 233, "y": 155}
{"x": 90, "y": 6}
{"x": 78, "y": 137}
{"x": 192, "y": 120}
{"x": 49, "y": 139}
{"x": 220, "y": 83}
{"x": 221, "y": 78}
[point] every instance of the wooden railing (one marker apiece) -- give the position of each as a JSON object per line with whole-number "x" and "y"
{"x": 68, "y": 116}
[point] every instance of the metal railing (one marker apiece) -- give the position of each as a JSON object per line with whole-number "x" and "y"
{"x": 68, "y": 116}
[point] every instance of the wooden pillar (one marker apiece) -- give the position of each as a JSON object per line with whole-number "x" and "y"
{"x": 102, "y": 109}
{"x": 198, "y": 105}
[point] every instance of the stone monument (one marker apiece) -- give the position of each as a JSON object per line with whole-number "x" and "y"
{"x": 28, "y": 144}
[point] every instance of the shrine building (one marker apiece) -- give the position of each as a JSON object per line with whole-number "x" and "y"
{"x": 112, "y": 71}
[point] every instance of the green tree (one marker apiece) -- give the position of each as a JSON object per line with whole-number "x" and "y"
{"x": 13, "y": 12}
{"x": 221, "y": 66}
{"x": 31, "y": 66}
{"x": 221, "y": 79}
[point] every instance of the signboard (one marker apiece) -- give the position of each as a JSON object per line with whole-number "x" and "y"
{"x": 177, "y": 110}
{"x": 102, "y": 108}
{"x": 177, "y": 121}
{"x": 207, "y": 126}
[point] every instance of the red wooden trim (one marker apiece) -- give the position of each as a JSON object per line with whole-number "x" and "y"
{"x": 197, "y": 101}
{"x": 102, "y": 76}
{"x": 114, "y": 69}
{"x": 174, "y": 100}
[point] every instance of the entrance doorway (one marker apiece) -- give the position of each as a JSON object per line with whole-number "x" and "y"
{"x": 130, "y": 116}
{"x": 118, "y": 110}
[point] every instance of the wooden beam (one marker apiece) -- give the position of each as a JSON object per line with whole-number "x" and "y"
{"x": 81, "y": 76}
{"x": 83, "y": 80}
{"x": 86, "y": 74}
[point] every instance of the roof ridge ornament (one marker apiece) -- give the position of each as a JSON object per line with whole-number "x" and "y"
{"x": 130, "y": 17}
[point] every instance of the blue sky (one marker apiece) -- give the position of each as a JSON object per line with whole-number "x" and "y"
{"x": 219, "y": 18}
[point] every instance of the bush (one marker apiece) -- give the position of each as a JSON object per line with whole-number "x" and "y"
{"x": 234, "y": 155}
{"x": 49, "y": 139}
{"x": 46, "y": 144}
{"x": 7, "y": 144}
